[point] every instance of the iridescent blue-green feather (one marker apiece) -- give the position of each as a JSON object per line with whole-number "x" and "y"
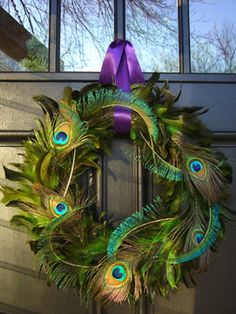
{"x": 208, "y": 240}
{"x": 121, "y": 231}
{"x": 153, "y": 162}
{"x": 129, "y": 224}
{"x": 105, "y": 98}
{"x": 163, "y": 169}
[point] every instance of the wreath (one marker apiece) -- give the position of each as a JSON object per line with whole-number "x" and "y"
{"x": 155, "y": 248}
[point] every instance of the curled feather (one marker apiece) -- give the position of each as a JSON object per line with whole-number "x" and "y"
{"x": 206, "y": 241}
{"x": 202, "y": 174}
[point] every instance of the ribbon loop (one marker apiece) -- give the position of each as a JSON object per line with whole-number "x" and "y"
{"x": 121, "y": 67}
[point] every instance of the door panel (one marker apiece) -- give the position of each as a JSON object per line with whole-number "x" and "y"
{"x": 218, "y": 98}
{"x": 122, "y": 187}
{"x": 27, "y": 293}
{"x": 18, "y": 109}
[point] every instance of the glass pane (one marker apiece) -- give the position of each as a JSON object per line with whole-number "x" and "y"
{"x": 24, "y": 35}
{"x": 152, "y": 27}
{"x": 213, "y": 36}
{"x": 86, "y": 31}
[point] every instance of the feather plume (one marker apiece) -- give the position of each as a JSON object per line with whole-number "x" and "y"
{"x": 202, "y": 173}
{"x": 203, "y": 241}
{"x": 153, "y": 162}
{"x": 105, "y": 98}
{"x": 112, "y": 282}
{"x": 139, "y": 220}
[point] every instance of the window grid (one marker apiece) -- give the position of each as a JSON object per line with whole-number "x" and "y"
{"x": 54, "y": 73}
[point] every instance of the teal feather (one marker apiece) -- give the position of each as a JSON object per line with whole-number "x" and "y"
{"x": 208, "y": 240}
{"x": 163, "y": 169}
{"x": 128, "y": 224}
{"x": 104, "y": 98}
{"x": 120, "y": 232}
{"x": 152, "y": 161}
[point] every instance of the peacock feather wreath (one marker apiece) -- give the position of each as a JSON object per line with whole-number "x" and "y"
{"x": 154, "y": 249}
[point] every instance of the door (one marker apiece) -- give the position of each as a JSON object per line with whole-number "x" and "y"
{"x": 123, "y": 185}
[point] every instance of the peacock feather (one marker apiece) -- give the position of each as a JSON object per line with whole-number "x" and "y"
{"x": 112, "y": 282}
{"x": 62, "y": 135}
{"x": 202, "y": 174}
{"x": 203, "y": 240}
{"x": 133, "y": 223}
{"x": 160, "y": 167}
{"x": 153, "y": 162}
{"x": 119, "y": 234}
{"x": 105, "y": 98}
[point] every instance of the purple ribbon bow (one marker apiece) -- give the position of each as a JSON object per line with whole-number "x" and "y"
{"x": 121, "y": 67}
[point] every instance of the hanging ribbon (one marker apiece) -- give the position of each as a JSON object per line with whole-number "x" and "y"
{"x": 121, "y": 67}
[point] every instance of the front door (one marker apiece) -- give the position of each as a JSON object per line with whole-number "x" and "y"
{"x": 164, "y": 33}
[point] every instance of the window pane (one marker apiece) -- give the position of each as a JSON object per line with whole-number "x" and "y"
{"x": 24, "y": 35}
{"x": 213, "y": 36}
{"x": 152, "y": 27}
{"x": 86, "y": 31}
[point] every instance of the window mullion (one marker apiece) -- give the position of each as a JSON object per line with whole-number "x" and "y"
{"x": 184, "y": 36}
{"x": 54, "y": 35}
{"x": 119, "y": 19}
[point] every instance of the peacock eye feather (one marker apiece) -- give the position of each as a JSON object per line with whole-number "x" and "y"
{"x": 62, "y": 135}
{"x": 61, "y": 208}
{"x": 197, "y": 168}
{"x": 198, "y": 237}
{"x": 117, "y": 275}
{"x": 58, "y": 207}
{"x": 61, "y": 138}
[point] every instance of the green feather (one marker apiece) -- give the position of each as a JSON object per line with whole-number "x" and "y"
{"x": 153, "y": 162}
{"x": 105, "y": 98}
{"x": 162, "y": 168}
{"x": 118, "y": 235}
{"x": 134, "y": 221}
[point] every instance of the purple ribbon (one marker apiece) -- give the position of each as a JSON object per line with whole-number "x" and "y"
{"x": 121, "y": 67}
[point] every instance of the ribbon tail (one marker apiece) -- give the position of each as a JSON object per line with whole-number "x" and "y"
{"x": 122, "y": 115}
{"x": 111, "y": 62}
{"x": 135, "y": 72}
{"x": 121, "y": 67}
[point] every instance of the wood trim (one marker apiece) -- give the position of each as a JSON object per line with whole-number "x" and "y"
{"x": 94, "y": 77}
{"x": 22, "y": 270}
{"x": 7, "y": 224}
{"x": 18, "y": 135}
{"x": 224, "y": 136}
